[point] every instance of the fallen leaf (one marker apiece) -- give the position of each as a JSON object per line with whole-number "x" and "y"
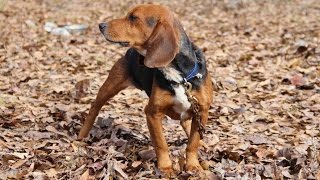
{"x": 98, "y": 165}
{"x": 212, "y": 139}
{"x": 20, "y": 155}
{"x": 136, "y": 164}
{"x": 81, "y": 89}
{"x": 119, "y": 170}
{"x": 257, "y": 139}
{"x": 297, "y": 80}
{"x": 51, "y": 172}
{"x": 85, "y": 175}
{"x": 147, "y": 154}
{"x": 17, "y": 164}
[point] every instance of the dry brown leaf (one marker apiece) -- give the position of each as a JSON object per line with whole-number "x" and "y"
{"x": 117, "y": 167}
{"x": 98, "y": 165}
{"x": 85, "y": 175}
{"x": 257, "y": 139}
{"x": 78, "y": 148}
{"x": 136, "y": 164}
{"x": 17, "y": 164}
{"x": 318, "y": 175}
{"x": 81, "y": 89}
{"x": 147, "y": 154}
{"x": 212, "y": 139}
{"x": 20, "y": 155}
{"x": 297, "y": 80}
{"x": 51, "y": 173}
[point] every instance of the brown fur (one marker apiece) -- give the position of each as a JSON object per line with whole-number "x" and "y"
{"x": 161, "y": 43}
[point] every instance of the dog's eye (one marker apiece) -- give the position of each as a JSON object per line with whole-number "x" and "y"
{"x": 132, "y": 18}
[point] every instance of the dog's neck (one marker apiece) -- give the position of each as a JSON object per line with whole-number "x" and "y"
{"x": 186, "y": 58}
{"x": 183, "y": 62}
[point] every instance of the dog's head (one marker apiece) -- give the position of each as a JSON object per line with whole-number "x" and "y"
{"x": 150, "y": 29}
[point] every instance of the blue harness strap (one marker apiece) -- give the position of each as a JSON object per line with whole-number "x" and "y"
{"x": 193, "y": 73}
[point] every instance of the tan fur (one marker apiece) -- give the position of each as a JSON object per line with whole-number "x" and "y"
{"x": 144, "y": 38}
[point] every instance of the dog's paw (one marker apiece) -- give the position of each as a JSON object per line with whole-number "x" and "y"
{"x": 193, "y": 167}
{"x": 167, "y": 172}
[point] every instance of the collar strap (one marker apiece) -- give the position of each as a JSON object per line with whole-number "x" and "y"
{"x": 193, "y": 73}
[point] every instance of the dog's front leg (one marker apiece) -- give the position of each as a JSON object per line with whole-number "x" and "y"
{"x": 154, "y": 121}
{"x": 186, "y": 125}
{"x": 192, "y": 162}
{"x": 117, "y": 80}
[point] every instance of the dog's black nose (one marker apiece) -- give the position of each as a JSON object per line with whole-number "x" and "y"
{"x": 102, "y": 27}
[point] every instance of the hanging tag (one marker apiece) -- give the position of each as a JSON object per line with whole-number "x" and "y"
{"x": 188, "y": 86}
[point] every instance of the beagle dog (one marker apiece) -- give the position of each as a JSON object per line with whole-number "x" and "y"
{"x": 161, "y": 58}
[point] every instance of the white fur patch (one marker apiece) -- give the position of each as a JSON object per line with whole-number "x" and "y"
{"x": 181, "y": 103}
{"x": 172, "y": 74}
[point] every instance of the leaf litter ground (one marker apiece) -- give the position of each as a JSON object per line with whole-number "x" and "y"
{"x": 264, "y": 58}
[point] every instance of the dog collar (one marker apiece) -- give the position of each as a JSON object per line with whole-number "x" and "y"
{"x": 193, "y": 73}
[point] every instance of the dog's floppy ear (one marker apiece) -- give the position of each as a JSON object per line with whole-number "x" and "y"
{"x": 162, "y": 46}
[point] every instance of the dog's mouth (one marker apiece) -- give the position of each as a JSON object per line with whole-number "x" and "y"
{"x": 122, "y": 43}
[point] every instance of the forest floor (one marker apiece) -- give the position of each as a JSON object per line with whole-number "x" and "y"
{"x": 264, "y": 59}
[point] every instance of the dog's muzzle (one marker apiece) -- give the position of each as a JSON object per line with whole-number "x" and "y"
{"x": 103, "y": 27}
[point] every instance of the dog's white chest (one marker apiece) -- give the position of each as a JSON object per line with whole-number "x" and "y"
{"x": 181, "y": 103}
